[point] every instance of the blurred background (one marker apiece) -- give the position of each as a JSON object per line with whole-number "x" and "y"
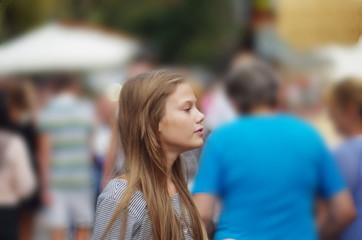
{"x": 88, "y": 48}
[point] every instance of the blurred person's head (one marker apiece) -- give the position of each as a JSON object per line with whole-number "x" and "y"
{"x": 158, "y": 118}
{"x": 106, "y": 109}
{"x": 240, "y": 59}
{"x": 66, "y": 84}
{"x": 345, "y": 106}
{"x": 21, "y": 100}
{"x": 145, "y": 61}
{"x": 253, "y": 87}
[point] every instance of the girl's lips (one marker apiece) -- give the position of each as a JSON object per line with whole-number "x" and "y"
{"x": 200, "y": 132}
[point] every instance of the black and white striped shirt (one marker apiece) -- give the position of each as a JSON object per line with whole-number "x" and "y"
{"x": 138, "y": 220}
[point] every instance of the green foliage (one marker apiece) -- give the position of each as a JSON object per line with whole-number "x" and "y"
{"x": 183, "y": 31}
{"x": 186, "y": 31}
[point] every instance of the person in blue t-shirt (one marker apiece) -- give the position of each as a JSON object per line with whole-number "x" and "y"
{"x": 266, "y": 169}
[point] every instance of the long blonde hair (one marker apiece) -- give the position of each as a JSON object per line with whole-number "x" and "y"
{"x": 141, "y": 107}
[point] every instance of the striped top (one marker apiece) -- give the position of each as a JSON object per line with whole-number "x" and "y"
{"x": 69, "y": 123}
{"x": 138, "y": 220}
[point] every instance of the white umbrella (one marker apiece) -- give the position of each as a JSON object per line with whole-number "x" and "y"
{"x": 56, "y": 47}
{"x": 345, "y": 61}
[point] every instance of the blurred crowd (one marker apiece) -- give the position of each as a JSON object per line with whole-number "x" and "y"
{"x": 58, "y": 149}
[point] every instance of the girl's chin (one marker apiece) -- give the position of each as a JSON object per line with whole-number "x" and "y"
{"x": 197, "y": 144}
{"x": 193, "y": 145}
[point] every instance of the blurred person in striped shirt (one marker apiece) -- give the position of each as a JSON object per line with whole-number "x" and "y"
{"x": 66, "y": 124}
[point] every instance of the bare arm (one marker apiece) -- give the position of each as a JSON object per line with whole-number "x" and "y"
{"x": 334, "y": 215}
{"x": 44, "y": 165}
{"x": 206, "y": 205}
{"x": 23, "y": 173}
{"x": 321, "y": 213}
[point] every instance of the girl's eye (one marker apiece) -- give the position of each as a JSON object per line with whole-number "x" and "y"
{"x": 187, "y": 109}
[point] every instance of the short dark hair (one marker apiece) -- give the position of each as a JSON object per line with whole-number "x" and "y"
{"x": 253, "y": 84}
{"x": 64, "y": 81}
{"x": 347, "y": 92}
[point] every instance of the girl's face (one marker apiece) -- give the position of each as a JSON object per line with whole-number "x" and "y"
{"x": 181, "y": 127}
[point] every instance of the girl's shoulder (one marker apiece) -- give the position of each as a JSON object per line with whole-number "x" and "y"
{"x": 114, "y": 191}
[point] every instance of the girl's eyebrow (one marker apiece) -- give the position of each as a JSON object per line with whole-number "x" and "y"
{"x": 189, "y": 101}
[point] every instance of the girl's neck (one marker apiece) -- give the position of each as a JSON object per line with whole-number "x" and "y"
{"x": 171, "y": 187}
{"x": 171, "y": 157}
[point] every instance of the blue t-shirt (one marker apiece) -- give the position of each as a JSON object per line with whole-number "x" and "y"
{"x": 267, "y": 171}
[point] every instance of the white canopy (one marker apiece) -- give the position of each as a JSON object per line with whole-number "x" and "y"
{"x": 345, "y": 61}
{"x": 55, "y": 47}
